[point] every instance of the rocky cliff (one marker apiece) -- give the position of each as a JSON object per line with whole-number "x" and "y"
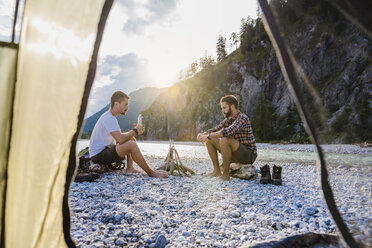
{"x": 334, "y": 56}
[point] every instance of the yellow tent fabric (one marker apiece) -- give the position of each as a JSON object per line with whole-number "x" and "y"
{"x": 55, "y": 50}
{"x": 8, "y": 58}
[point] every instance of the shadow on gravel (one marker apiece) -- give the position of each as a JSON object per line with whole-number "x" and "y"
{"x": 309, "y": 240}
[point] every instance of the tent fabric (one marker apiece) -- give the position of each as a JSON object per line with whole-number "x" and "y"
{"x": 8, "y": 58}
{"x": 88, "y": 86}
{"x": 287, "y": 65}
{"x": 55, "y": 50}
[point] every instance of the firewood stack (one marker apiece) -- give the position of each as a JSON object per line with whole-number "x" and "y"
{"x": 173, "y": 165}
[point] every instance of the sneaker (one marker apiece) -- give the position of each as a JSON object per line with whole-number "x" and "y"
{"x": 265, "y": 174}
{"x": 277, "y": 175}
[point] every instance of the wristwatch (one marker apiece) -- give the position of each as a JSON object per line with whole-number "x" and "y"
{"x": 208, "y": 136}
{"x": 135, "y": 130}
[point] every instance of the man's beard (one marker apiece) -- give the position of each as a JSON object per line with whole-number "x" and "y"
{"x": 228, "y": 114}
{"x": 123, "y": 113}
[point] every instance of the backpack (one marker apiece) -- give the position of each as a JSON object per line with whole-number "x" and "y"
{"x": 84, "y": 162}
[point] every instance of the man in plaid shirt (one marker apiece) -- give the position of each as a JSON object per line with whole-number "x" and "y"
{"x": 233, "y": 138}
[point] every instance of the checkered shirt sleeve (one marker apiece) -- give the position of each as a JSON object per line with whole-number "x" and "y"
{"x": 218, "y": 127}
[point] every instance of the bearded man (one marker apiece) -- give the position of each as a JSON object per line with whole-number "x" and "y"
{"x": 233, "y": 138}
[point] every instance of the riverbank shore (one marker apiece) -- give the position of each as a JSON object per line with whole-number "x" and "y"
{"x": 120, "y": 210}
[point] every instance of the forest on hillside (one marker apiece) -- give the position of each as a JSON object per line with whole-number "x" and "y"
{"x": 330, "y": 51}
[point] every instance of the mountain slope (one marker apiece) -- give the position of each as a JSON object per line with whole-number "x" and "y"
{"x": 333, "y": 54}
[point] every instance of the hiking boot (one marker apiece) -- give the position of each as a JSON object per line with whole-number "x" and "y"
{"x": 265, "y": 174}
{"x": 277, "y": 175}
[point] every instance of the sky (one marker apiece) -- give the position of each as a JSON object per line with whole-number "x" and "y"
{"x": 148, "y": 43}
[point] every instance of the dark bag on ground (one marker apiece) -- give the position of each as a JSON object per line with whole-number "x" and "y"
{"x": 84, "y": 160}
{"x": 84, "y": 163}
{"x": 83, "y": 172}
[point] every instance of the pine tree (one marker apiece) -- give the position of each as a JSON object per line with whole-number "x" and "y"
{"x": 234, "y": 39}
{"x": 206, "y": 62}
{"x": 221, "y": 48}
{"x": 193, "y": 69}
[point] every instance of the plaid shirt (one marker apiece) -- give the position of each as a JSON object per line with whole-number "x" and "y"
{"x": 238, "y": 128}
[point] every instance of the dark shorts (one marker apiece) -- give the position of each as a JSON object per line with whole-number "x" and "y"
{"x": 107, "y": 156}
{"x": 243, "y": 155}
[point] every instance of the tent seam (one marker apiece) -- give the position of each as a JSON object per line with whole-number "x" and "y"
{"x": 48, "y": 206}
{"x": 88, "y": 85}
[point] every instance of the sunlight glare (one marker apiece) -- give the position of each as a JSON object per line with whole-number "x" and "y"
{"x": 176, "y": 98}
{"x": 61, "y": 42}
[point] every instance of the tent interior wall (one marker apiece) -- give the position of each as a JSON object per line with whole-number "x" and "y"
{"x": 8, "y": 58}
{"x": 60, "y": 36}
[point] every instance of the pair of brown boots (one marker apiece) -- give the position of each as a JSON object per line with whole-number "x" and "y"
{"x": 266, "y": 177}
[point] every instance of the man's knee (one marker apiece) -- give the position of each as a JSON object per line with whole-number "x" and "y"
{"x": 209, "y": 143}
{"x": 126, "y": 148}
{"x": 132, "y": 143}
{"x": 129, "y": 144}
{"x": 224, "y": 142}
{"x": 212, "y": 143}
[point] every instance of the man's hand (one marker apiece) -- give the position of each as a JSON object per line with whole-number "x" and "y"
{"x": 199, "y": 136}
{"x": 140, "y": 128}
{"x": 202, "y": 137}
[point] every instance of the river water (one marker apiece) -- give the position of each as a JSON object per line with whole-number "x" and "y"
{"x": 198, "y": 150}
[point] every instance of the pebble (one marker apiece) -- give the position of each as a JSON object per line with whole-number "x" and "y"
{"x": 117, "y": 218}
{"x": 235, "y": 214}
{"x": 157, "y": 225}
{"x": 189, "y": 204}
{"x": 311, "y": 211}
{"x": 161, "y": 242}
{"x": 119, "y": 242}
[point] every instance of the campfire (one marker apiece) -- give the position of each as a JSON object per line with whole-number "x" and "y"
{"x": 173, "y": 165}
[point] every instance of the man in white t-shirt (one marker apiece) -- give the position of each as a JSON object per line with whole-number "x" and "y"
{"x": 108, "y": 144}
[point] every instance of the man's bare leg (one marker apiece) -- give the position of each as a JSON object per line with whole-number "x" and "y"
{"x": 212, "y": 147}
{"x": 131, "y": 147}
{"x": 130, "y": 168}
{"x": 228, "y": 146}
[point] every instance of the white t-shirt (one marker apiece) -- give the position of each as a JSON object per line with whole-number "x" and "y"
{"x": 101, "y": 136}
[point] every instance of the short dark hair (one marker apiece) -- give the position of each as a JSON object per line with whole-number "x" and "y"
{"x": 118, "y": 96}
{"x": 230, "y": 100}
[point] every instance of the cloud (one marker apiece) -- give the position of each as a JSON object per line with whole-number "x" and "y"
{"x": 135, "y": 26}
{"x": 7, "y": 8}
{"x": 162, "y": 7}
{"x": 6, "y": 19}
{"x": 126, "y": 73}
{"x": 144, "y": 14}
{"x": 5, "y": 28}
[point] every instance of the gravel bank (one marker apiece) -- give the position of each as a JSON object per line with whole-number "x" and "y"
{"x": 121, "y": 210}
{"x": 330, "y": 148}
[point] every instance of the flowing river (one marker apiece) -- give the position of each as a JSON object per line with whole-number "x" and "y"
{"x": 198, "y": 150}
